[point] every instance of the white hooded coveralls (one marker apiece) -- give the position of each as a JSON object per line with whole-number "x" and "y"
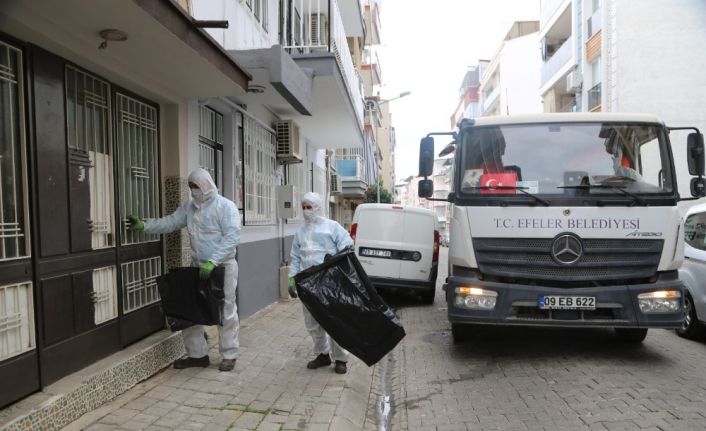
{"x": 213, "y": 223}
{"x": 316, "y": 238}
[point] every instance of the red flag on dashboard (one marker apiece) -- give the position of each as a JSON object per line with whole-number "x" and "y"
{"x": 507, "y": 179}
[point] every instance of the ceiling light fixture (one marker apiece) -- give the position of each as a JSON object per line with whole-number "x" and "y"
{"x": 112, "y": 35}
{"x": 256, "y": 88}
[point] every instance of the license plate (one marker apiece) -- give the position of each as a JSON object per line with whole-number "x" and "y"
{"x": 375, "y": 253}
{"x": 560, "y": 302}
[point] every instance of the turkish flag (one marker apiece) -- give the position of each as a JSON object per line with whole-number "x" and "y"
{"x": 507, "y": 179}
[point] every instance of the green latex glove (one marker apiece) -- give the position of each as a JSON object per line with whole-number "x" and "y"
{"x": 206, "y": 270}
{"x": 292, "y": 287}
{"x": 136, "y": 223}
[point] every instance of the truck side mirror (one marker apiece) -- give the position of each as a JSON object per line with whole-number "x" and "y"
{"x": 695, "y": 153}
{"x": 426, "y": 158}
{"x": 698, "y": 187}
{"x": 425, "y": 188}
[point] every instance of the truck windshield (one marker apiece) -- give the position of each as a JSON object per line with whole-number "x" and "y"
{"x": 562, "y": 158}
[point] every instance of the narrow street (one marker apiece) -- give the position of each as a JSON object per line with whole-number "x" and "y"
{"x": 544, "y": 379}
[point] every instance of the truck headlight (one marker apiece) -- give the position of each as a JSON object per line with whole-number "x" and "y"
{"x": 475, "y": 298}
{"x": 660, "y": 301}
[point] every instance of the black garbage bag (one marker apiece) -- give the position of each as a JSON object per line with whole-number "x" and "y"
{"x": 188, "y": 300}
{"x": 342, "y": 299}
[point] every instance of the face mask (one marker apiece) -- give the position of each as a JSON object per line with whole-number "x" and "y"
{"x": 309, "y": 215}
{"x": 197, "y": 195}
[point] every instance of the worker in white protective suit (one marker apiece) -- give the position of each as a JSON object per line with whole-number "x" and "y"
{"x": 316, "y": 238}
{"x": 213, "y": 223}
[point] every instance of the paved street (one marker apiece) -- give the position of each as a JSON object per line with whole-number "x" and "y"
{"x": 501, "y": 379}
{"x": 545, "y": 379}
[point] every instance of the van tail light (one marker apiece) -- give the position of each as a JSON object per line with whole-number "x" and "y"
{"x": 354, "y": 228}
{"x": 437, "y": 241}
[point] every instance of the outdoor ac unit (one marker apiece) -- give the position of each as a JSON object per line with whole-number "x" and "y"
{"x": 336, "y": 185}
{"x": 573, "y": 82}
{"x": 318, "y": 29}
{"x": 288, "y": 150}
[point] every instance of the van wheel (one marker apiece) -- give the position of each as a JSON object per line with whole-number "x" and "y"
{"x": 631, "y": 335}
{"x": 428, "y": 296}
{"x": 459, "y": 332}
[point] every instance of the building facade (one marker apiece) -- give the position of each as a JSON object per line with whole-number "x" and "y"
{"x": 106, "y": 108}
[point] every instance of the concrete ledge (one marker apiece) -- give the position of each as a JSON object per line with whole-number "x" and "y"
{"x": 353, "y": 406}
{"x": 73, "y": 396}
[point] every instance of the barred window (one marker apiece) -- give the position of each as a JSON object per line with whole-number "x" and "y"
{"x": 140, "y": 283}
{"x": 211, "y": 144}
{"x": 16, "y": 320}
{"x": 138, "y": 161}
{"x": 260, "y": 178}
{"x": 90, "y": 150}
{"x": 298, "y": 176}
{"x": 14, "y": 216}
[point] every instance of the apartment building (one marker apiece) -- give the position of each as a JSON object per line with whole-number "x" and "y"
{"x": 509, "y": 82}
{"x": 626, "y": 56}
{"x": 106, "y": 108}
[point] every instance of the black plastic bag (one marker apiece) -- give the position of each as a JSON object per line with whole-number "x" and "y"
{"x": 188, "y": 300}
{"x": 342, "y": 299}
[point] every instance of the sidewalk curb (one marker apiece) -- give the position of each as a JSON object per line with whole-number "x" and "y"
{"x": 352, "y": 409}
{"x": 85, "y": 391}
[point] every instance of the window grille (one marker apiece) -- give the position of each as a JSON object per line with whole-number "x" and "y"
{"x": 298, "y": 176}
{"x": 104, "y": 294}
{"x": 140, "y": 283}
{"x": 211, "y": 144}
{"x": 320, "y": 182}
{"x": 14, "y": 229}
{"x": 16, "y": 320}
{"x": 260, "y": 178}
{"x": 137, "y": 151}
{"x": 88, "y": 128}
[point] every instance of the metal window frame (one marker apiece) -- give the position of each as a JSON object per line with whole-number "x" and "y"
{"x": 17, "y": 229}
{"x": 259, "y": 166}
{"x": 139, "y": 278}
{"x": 211, "y": 130}
{"x": 15, "y": 322}
{"x": 127, "y": 190}
{"x": 102, "y": 223}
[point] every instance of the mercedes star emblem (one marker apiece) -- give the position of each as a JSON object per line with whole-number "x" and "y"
{"x": 567, "y": 249}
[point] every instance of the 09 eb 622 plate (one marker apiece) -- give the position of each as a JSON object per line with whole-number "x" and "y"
{"x": 566, "y": 302}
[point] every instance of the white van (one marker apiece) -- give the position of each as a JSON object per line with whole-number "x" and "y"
{"x": 398, "y": 246}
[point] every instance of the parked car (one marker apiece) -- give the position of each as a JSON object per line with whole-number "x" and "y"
{"x": 398, "y": 247}
{"x": 693, "y": 273}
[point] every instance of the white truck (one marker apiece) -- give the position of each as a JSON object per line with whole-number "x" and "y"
{"x": 565, "y": 220}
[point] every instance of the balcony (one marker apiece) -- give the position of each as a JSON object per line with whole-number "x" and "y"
{"x": 594, "y": 98}
{"x": 351, "y": 170}
{"x": 370, "y": 68}
{"x": 315, "y": 36}
{"x": 490, "y": 99}
{"x": 549, "y": 9}
{"x": 558, "y": 60}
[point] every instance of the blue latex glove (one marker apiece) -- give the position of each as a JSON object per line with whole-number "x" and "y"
{"x": 206, "y": 270}
{"x": 292, "y": 288}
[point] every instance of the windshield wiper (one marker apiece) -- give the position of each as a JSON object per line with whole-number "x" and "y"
{"x": 521, "y": 189}
{"x": 636, "y": 198}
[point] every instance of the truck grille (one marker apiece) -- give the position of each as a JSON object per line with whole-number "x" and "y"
{"x": 602, "y": 259}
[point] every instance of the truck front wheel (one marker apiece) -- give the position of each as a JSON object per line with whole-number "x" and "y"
{"x": 632, "y": 335}
{"x": 459, "y": 332}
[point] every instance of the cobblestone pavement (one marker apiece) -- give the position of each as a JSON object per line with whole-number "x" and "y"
{"x": 544, "y": 379}
{"x": 270, "y": 388}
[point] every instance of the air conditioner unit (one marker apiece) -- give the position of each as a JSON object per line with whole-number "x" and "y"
{"x": 318, "y": 29}
{"x": 336, "y": 186}
{"x": 573, "y": 82}
{"x": 288, "y": 150}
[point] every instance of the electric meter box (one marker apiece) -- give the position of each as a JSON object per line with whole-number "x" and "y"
{"x": 285, "y": 201}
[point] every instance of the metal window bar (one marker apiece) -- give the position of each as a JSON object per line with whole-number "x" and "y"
{"x": 14, "y": 210}
{"x": 105, "y": 294}
{"x": 297, "y": 175}
{"x": 260, "y": 178}
{"x": 140, "y": 283}
{"x": 320, "y": 182}
{"x": 137, "y": 155}
{"x": 594, "y": 96}
{"x": 16, "y": 320}
{"x": 211, "y": 144}
{"x": 88, "y": 114}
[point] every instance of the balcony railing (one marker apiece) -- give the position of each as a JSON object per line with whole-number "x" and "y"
{"x": 556, "y": 61}
{"x": 594, "y": 97}
{"x": 312, "y": 27}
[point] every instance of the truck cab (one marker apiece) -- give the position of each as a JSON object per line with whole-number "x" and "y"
{"x": 565, "y": 220}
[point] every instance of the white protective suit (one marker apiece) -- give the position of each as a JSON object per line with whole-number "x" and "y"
{"x": 213, "y": 223}
{"x": 316, "y": 238}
